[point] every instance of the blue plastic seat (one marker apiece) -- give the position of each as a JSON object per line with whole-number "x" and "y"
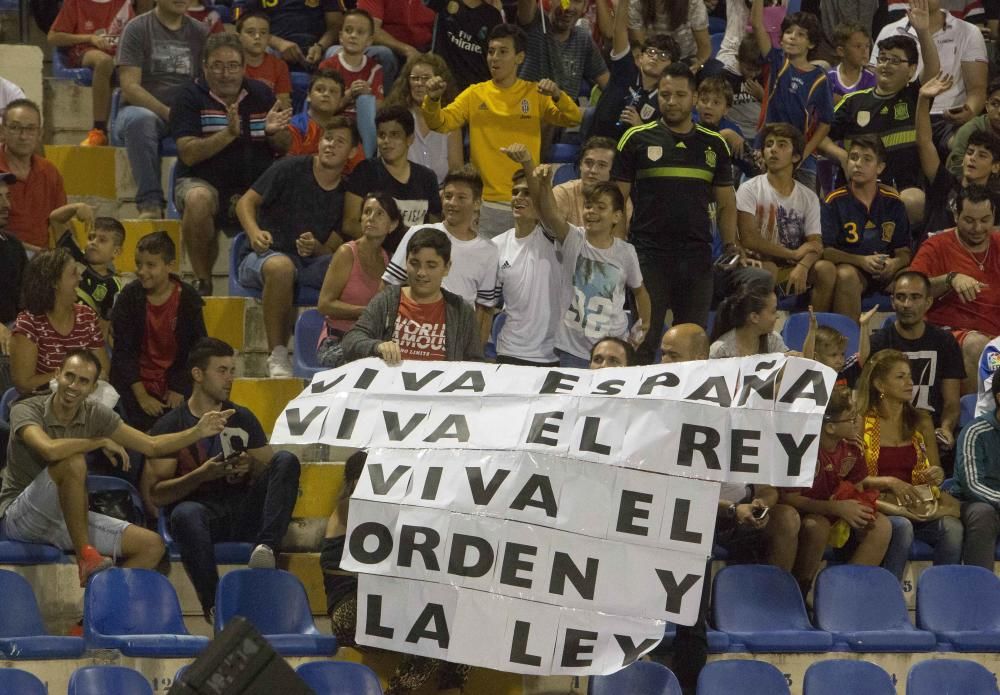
{"x": 304, "y": 296}
{"x": 968, "y": 409}
{"x": 82, "y": 76}
{"x": 965, "y": 619}
{"x": 275, "y": 602}
{"x": 490, "y": 350}
{"x": 14, "y": 681}
{"x": 946, "y": 676}
{"x": 22, "y": 632}
{"x": 340, "y": 678}
{"x": 919, "y": 550}
{"x": 716, "y": 41}
{"x": 566, "y": 172}
{"x": 21, "y": 553}
{"x": 564, "y": 153}
{"x": 741, "y": 676}
{"x": 761, "y": 607}
{"x": 300, "y": 90}
{"x": 882, "y": 301}
{"x": 646, "y": 677}
{"x": 795, "y": 329}
{"x": 889, "y": 320}
{"x": 308, "y": 327}
{"x": 9, "y": 396}
{"x": 227, "y": 553}
{"x": 839, "y": 676}
{"x": 108, "y": 680}
{"x": 136, "y": 612}
{"x": 718, "y": 642}
{"x": 863, "y": 607}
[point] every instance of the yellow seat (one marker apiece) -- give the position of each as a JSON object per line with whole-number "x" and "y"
{"x": 319, "y": 490}
{"x": 266, "y": 398}
{"x": 135, "y": 230}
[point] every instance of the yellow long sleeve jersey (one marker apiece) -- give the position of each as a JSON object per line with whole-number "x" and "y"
{"x": 497, "y": 118}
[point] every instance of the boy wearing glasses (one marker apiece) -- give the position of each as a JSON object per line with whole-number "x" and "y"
{"x": 228, "y": 130}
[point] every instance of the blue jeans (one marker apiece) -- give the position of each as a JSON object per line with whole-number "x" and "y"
{"x": 570, "y": 361}
{"x": 260, "y": 514}
{"x": 944, "y": 535}
{"x": 140, "y": 131}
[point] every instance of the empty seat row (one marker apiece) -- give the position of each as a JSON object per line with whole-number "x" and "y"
{"x": 858, "y": 609}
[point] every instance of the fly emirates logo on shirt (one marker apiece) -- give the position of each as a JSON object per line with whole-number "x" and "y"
{"x": 420, "y": 340}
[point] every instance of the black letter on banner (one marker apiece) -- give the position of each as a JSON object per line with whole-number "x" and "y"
{"x": 764, "y": 387}
{"x": 817, "y": 392}
{"x": 431, "y": 483}
{"x": 296, "y": 425}
{"x": 631, "y": 650}
{"x": 610, "y": 387}
{"x": 481, "y": 494}
{"x": 392, "y": 428}
{"x": 628, "y": 511}
{"x": 588, "y": 440}
{"x": 666, "y": 379}
{"x": 556, "y": 382}
{"x": 380, "y": 485}
{"x": 408, "y": 544}
{"x": 563, "y": 568}
{"x": 739, "y": 449}
{"x": 347, "y": 424}
{"x": 794, "y": 451}
{"x": 678, "y": 527}
{"x": 476, "y": 383}
{"x": 540, "y": 426}
{"x": 573, "y": 649}
{"x": 452, "y": 427}
{"x": 525, "y": 498}
{"x": 373, "y": 623}
{"x": 365, "y": 379}
{"x": 432, "y": 613}
{"x": 324, "y": 386}
{"x": 361, "y": 533}
{"x": 460, "y": 542}
{"x": 675, "y": 591}
{"x": 714, "y": 390}
{"x": 512, "y": 564}
{"x": 519, "y": 645}
{"x": 412, "y": 383}
{"x": 706, "y": 447}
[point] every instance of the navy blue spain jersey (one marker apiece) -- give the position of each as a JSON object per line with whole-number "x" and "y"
{"x": 851, "y": 227}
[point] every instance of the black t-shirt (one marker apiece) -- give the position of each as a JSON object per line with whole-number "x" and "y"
{"x": 460, "y": 38}
{"x": 672, "y": 179}
{"x": 933, "y": 356}
{"x": 13, "y": 259}
{"x": 940, "y": 197}
{"x": 243, "y": 427}
{"x": 416, "y": 198}
{"x": 294, "y": 203}
{"x": 196, "y": 113}
{"x": 893, "y": 118}
{"x": 624, "y": 89}
{"x": 301, "y": 21}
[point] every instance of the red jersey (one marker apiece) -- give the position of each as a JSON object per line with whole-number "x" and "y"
{"x": 159, "y": 344}
{"x": 306, "y": 135}
{"x": 209, "y": 17}
{"x": 944, "y": 253}
{"x": 420, "y": 329}
{"x": 32, "y": 199}
{"x": 408, "y": 21}
{"x": 846, "y": 462}
{"x": 273, "y": 72}
{"x": 370, "y": 72}
{"x": 92, "y": 17}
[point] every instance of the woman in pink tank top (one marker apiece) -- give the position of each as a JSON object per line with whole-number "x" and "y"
{"x": 355, "y": 275}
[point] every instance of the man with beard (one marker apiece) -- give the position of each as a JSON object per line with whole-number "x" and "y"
{"x": 558, "y": 48}
{"x": 293, "y": 217}
{"x": 220, "y": 156}
{"x": 963, "y": 265}
{"x": 673, "y": 169}
{"x": 935, "y": 358}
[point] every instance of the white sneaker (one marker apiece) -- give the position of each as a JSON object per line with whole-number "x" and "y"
{"x": 278, "y": 363}
{"x": 262, "y": 558}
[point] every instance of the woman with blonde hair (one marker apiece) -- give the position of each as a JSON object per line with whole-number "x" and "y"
{"x": 901, "y": 452}
{"x": 439, "y": 152}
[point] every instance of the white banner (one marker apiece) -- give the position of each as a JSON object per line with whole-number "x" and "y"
{"x": 549, "y": 521}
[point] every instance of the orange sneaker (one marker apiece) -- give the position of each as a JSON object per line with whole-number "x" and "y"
{"x": 91, "y": 562}
{"x": 95, "y": 138}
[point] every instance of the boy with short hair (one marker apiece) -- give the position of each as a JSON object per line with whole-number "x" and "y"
{"x": 326, "y": 95}
{"x": 830, "y": 348}
{"x": 89, "y": 31}
{"x": 254, "y": 29}
{"x": 596, "y": 267}
{"x": 797, "y": 91}
{"x": 852, "y": 74}
{"x": 989, "y": 122}
{"x": 715, "y": 98}
{"x": 362, "y": 74}
{"x": 99, "y": 283}
{"x": 155, "y": 323}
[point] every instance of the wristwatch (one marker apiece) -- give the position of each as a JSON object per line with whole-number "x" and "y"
{"x": 731, "y": 511}
{"x": 948, "y": 278}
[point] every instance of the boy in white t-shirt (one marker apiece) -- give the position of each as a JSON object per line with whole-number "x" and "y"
{"x": 473, "y": 273}
{"x": 596, "y": 269}
{"x": 528, "y": 278}
{"x": 779, "y": 220}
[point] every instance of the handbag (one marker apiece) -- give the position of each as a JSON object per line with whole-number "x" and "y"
{"x": 117, "y": 504}
{"x": 932, "y": 504}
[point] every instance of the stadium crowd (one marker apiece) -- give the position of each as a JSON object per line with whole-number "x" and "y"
{"x": 799, "y": 165}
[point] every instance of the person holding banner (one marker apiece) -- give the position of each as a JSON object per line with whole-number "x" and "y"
{"x": 596, "y": 268}
{"x": 422, "y": 321}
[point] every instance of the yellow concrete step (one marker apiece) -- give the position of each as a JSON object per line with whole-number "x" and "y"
{"x": 266, "y": 397}
{"x": 319, "y": 490}
{"x": 85, "y": 170}
{"x": 135, "y": 230}
{"x": 225, "y": 319}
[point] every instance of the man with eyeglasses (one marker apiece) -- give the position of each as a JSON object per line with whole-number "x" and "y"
{"x": 228, "y": 130}
{"x": 888, "y": 110}
{"x": 630, "y": 96}
{"x": 988, "y": 122}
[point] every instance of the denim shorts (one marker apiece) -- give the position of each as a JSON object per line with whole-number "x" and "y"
{"x": 309, "y": 271}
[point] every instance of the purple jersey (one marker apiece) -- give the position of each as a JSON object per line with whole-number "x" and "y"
{"x": 840, "y": 90}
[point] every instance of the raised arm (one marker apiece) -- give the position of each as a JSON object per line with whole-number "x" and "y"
{"x": 759, "y": 31}
{"x": 619, "y": 30}
{"x": 930, "y": 161}
{"x": 451, "y": 117}
{"x": 540, "y": 183}
{"x": 919, "y": 18}
{"x": 209, "y": 425}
